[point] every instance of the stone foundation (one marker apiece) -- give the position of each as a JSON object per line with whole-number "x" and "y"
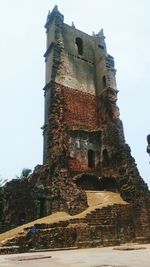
{"x": 112, "y": 225}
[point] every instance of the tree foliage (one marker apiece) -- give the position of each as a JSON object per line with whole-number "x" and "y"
{"x": 2, "y": 196}
{"x": 25, "y": 173}
{"x": 2, "y": 182}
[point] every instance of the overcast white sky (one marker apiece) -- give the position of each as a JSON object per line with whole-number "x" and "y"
{"x": 126, "y": 26}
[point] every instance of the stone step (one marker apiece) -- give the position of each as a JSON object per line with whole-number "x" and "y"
{"x": 11, "y": 243}
{"x": 101, "y": 225}
{"x": 99, "y": 218}
{"x": 142, "y": 239}
{"x": 9, "y": 250}
{"x": 52, "y": 249}
{"x": 111, "y": 242}
{"x": 97, "y": 228}
{"x": 88, "y": 244}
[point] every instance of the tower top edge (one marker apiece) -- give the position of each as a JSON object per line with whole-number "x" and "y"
{"x": 56, "y": 13}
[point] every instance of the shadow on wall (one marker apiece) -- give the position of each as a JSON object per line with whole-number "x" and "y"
{"x": 94, "y": 183}
{"x": 108, "y": 184}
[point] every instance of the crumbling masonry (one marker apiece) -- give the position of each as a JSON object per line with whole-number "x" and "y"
{"x": 84, "y": 149}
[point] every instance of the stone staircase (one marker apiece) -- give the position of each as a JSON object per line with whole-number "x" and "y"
{"x": 110, "y": 225}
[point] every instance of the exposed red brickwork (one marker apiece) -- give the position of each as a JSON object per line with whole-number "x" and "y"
{"x": 77, "y": 166}
{"x": 80, "y": 108}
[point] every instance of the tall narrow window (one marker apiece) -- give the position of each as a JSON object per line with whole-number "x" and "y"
{"x": 79, "y": 43}
{"x": 91, "y": 159}
{"x": 104, "y": 81}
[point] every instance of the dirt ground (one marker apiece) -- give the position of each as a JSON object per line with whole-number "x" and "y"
{"x": 125, "y": 256}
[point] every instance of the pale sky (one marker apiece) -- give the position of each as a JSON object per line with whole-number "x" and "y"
{"x": 127, "y": 29}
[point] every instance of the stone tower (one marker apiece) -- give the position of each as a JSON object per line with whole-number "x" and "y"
{"x": 83, "y": 136}
{"x": 79, "y": 72}
{"x": 84, "y": 148}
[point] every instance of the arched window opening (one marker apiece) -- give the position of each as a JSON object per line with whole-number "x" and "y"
{"x": 105, "y": 158}
{"x": 91, "y": 159}
{"x": 79, "y": 43}
{"x": 104, "y": 81}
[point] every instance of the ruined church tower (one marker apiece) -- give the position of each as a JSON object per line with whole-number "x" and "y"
{"x": 84, "y": 143}
{"x": 79, "y": 71}
{"x": 84, "y": 150}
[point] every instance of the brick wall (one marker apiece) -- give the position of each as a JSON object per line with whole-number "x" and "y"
{"x": 80, "y": 108}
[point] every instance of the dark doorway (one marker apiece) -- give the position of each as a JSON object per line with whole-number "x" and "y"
{"x": 88, "y": 182}
{"x": 79, "y": 43}
{"x": 91, "y": 158}
{"x": 108, "y": 184}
